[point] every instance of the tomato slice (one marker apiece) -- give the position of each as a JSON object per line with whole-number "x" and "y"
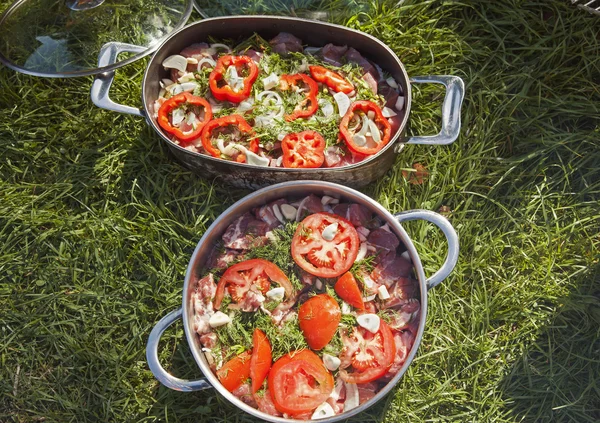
{"x": 332, "y": 79}
{"x": 322, "y": 257}
{"x": 319, "y": 318}
{"x": 254, "y": 274}
{"x": 372, "y": 354}
{"x": 260, "y": 363}
{"x": 299, "y": 382}
{"x": 235, "y": 371}
{"x": 304, "y": 149}
{"x": 347, "y": 288}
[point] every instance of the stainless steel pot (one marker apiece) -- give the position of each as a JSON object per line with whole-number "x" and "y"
{"x": 312, "y": 33}
{"x": 258, "y": 198}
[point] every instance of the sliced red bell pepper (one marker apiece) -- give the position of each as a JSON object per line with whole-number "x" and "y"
{"x": 286, "y": 82}
{"x": 304, "y": 149}
{"x": 358, "y": 109}
{"x": 239, "y": 123}
{"x": 219, "y": 86}
{"x": 332, "y": 79}
{"x": 174, "y": 102}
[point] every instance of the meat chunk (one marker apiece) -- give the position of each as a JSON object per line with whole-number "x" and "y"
{"x": 353, "y": 56}
{"x": 209, "y": 340}
{"x": 242, "y": 233}
{"x": 371, "y": 82}
{"x": 382, "y": 239}
{"x": 357, "y": 214}
{"x": 401, "y": 293}
{"x": 404, "y": 341}
{"x": 244, "y": 393}
{"x": 391, "y": 268}
{"x": 406, "y": 315}
{"x": 202, "y": 303}
{"x": 265, "y": 403}
{"x": 254, "y": 55}
{"x": 333, "y": 54}
{"x": 197, "y": 51}
{"x": 390, "y": 94}
{"x": 366, "y": 391}
{"x": 284, "y": 43}
{"x": 222, "y": 259}
{"x": 268, "y": 214}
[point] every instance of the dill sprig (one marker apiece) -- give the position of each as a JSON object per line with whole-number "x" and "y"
{"x": 283, "y": 339}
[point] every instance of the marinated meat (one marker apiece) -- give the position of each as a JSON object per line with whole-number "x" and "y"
{"x": 202, "y": 302}
{"x": 353, "y": 56}
{"x": 380, "y": 238}
{"x": 268, "y": 214}
{"x": 391, "y": 268}
{"x": 357, "y": 214}
{"x": 390, "y": 94}
{"x": 265, "y": 403}
{"x": 285, "y": 42}
{"x": 333, "y": 54}
{"x": 371, "y": 82}
{"x": 309, "y": 205}
{"x": 244, "y": 393}
{"x": 242, "y": 233}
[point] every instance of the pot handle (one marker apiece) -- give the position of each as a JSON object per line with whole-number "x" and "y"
{"x": 158, "y": 370}
{"x": 451, "y": 237}
{"x": 455, "y": 92}
{"x": 102, "y": 82}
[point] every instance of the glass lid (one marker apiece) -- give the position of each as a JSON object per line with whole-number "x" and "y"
{"x": 335, "y": 11}
{"x": 62, "y": 38}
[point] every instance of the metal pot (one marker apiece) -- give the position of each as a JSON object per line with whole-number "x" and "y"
{"x": 258, "y": 198}
{"x": 313, "y": 33}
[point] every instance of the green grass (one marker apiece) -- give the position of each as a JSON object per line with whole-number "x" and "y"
{"x": 97, "y": 224}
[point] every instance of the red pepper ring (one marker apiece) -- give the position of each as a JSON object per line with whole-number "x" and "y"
{"x": 225, "y": 92}
{"x": 382, "y": 123}
{"x": 286, "y": 82}
{"x": 174, "y": 102}
{"x": 241, "y": 124}
{"x": 332, "y": 79}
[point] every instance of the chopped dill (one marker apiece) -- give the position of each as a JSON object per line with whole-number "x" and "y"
{"x": 283, "y": 340}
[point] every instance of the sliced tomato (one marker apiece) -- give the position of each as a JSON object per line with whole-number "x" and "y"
{"x": 260, "y": 363}
{"x": 347, "y": 288}
{"x": 254, "y": 273}
{"x": 235, "y": 371}
{"x": 372, "y": 354}
{"x": 322, "y": 257}
{"x": 304, "y": 149}
{"x": 319, "y": 318}
{"x": 299, "y": 382}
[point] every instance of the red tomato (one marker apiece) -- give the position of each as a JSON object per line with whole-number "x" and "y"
{"x": 332, "y": 79}
{"x": 317, "y": 255}
{"x": 235, "y": 371}
{"x": 299, "y": 382}
{"x": 372, "y": 354}
{"x": 260, "y": 363}
{"x": 304, "y": 149}
{"x": 348, "y": 290}
{"x": 240, "y": 277}
{"x": 319, "y": 318}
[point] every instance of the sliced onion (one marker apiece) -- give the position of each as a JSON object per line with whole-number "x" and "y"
{"x": 326, "y": 107}
{"x": 175, "y": 61}
{"x": 208, "y": 60}
{"x": 399, "y": 103}
{"x": 387, "y": 112}
{"x": 352, "y": 399}
{"x": 365, "y": 126}
{"x": 246, "y": 105}
{"x": 343, "y": 102}
{"x": 312, "y": 50}
{"x": 273, "y": 94}
{"x": 392, "y": 82}
{"x": 177, "y": 116}
{"x": 176, "y": 89}
{"x": 189, "y": 86}
{"x": 374, "y": 131}
{"x": 219, "y": 45}
{"x": 362, "y": 251}
{"x": 166, "y": 82}
{"x": 191, "y": 118}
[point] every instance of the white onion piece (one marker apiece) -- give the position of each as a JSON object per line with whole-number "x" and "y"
{"x": 369, "y": 321}
{"x": 178, "y": 116}
{"x": 303, "y": 66}
{"x": 276, "y": 294}
{"x": 406, "y": 256}
{"x": 279, "y": 161}
{"x": 369, "y": 283}
{"x": 359, "y": 140}
{"x": 256, "y": 160}
{"x": 228, "y": 150}
{"x": 166, "y": 82}
{"x": 277, "y": 213}
{"x": 387, "y": 112}
{"x": 343, "y": 102}
{"x": 270, "y": 81}
{"x": 329, "y": 200}
{"x": 323, "y": 411}
{"x": 188, "y": 86}
{"x": 374, "y": 131}
{"x": 208, "y": 60}
{"x": 346, "y": 308}
{"x": 162, "y": 93}
{"x": 281, "y": 136}
{"x": 176, "y": 89}
{"x": 337, "y": 389}
{"x": 319, "y": 284}
{"x": 399, "y": 103}
{"x": 219, "y": 319}
{"x": 369, "y": 298}
{"x": 175, "y": 62}
{"x": 219, "y": 45}
{"x": 383, "y": 293}
{"x": 352, "y": 398}
{"x": 362, "y": 251}
{"x": 332, "y": 363}
{"x": 263, "y": 121}
{"x": 288, "y": 211}
{"x": 365, "y": 125}
{"x": 371, "y": 114}
{"x": 392, "y": 82}
{"x": 191, "y": 118}
{"x": 326, "y": 107}
{"x": 246, "y": 105}
{"x": 192, "y": 60}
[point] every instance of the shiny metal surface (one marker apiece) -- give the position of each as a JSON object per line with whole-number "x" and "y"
{"x": 300, "y": 189}
{"x": 315, "y": 34}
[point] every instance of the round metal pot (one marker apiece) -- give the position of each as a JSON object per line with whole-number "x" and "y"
{"x": 312, "y": 33}
{"x": 256, "y": 199}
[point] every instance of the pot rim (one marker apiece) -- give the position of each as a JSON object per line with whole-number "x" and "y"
{"x": 312, "y": 187}
{"x": 390, "y": 145}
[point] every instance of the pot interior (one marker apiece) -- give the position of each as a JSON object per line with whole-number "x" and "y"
{"x": 240, "y": 28}
{"x": 296, "y": 189}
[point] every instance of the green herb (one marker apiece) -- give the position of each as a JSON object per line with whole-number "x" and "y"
{"x": 283, "y": 339}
